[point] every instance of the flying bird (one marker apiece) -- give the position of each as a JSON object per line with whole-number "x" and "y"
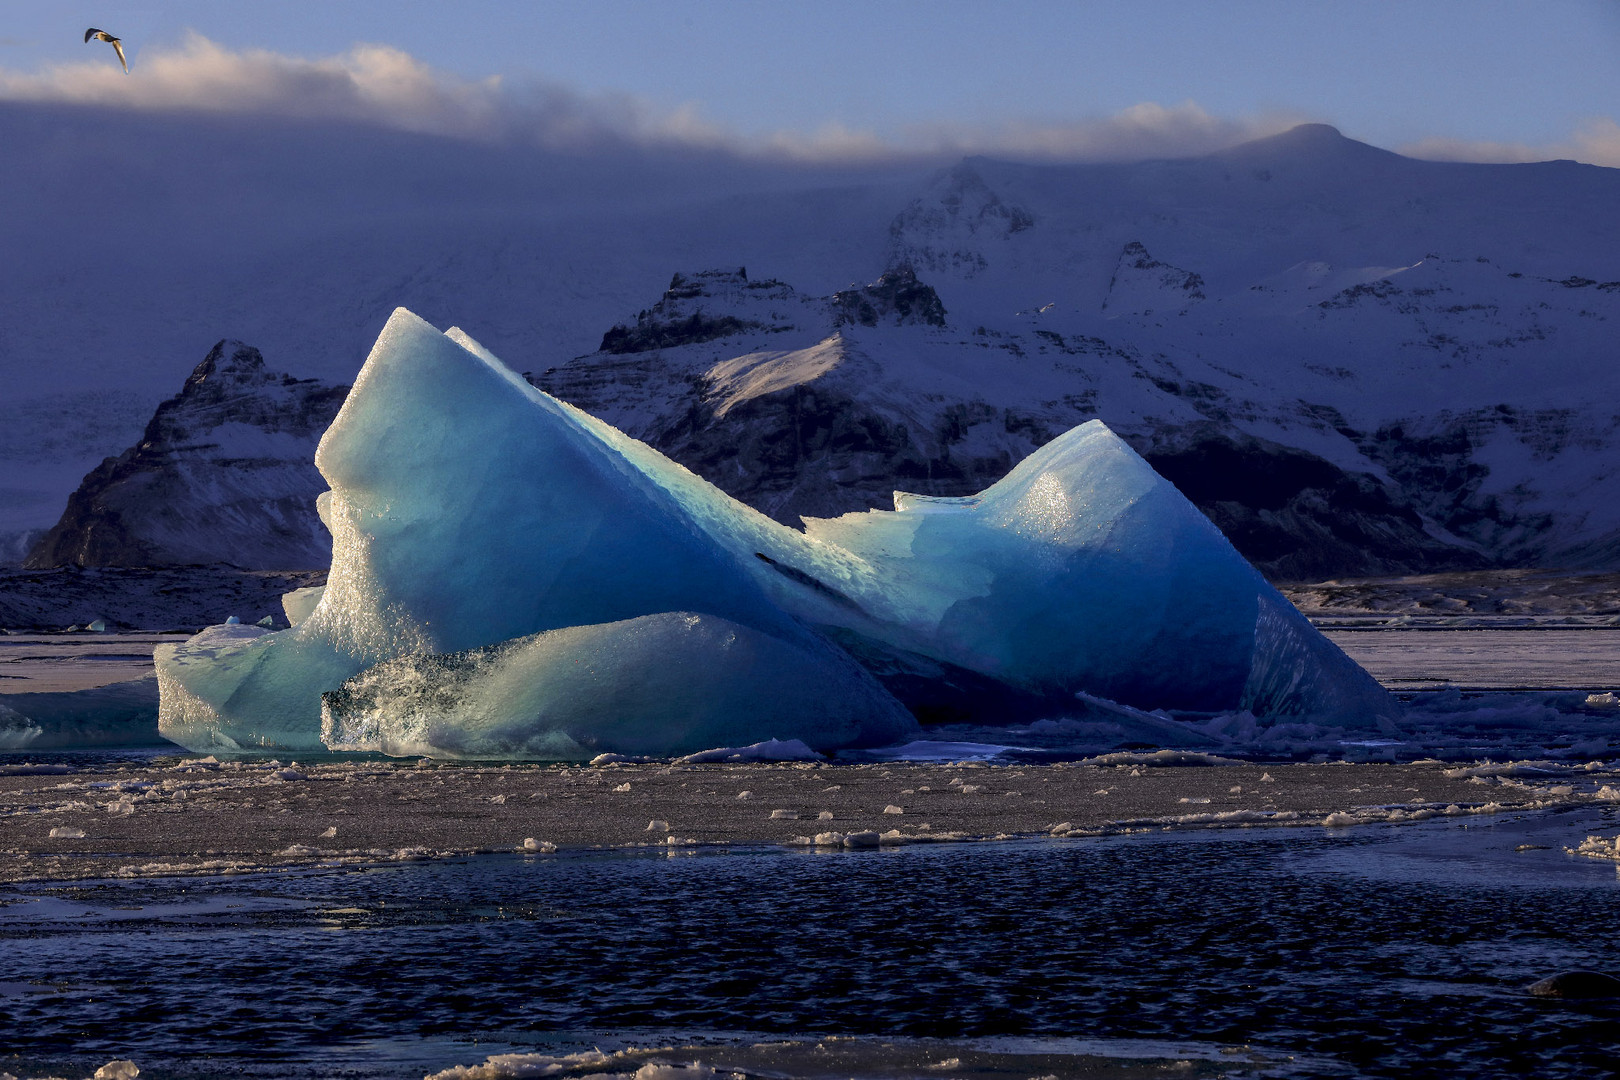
{"x": 118, "y": 46}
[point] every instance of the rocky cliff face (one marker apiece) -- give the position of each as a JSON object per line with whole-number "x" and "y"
{"x": 224, "y": 474}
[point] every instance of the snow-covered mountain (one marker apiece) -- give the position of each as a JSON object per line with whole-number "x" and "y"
{"x": 1271, "y": 327}
{"x": 1353, "y": 361}
{"x": 224, "y": 474}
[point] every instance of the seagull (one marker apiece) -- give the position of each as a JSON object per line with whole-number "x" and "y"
{"x": 118, "y": 46}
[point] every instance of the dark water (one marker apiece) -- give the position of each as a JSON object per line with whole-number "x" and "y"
{"x": 1399, "y": 951}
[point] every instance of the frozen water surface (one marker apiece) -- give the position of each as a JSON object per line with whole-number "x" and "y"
{"x": 1479, "y": 657}
{"x": 1400, "y": 951}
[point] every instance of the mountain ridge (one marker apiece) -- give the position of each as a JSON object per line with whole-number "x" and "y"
{"x": 1439, "y": 334}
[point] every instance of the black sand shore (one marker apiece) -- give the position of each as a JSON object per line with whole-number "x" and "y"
{"x": 198, "y": 816}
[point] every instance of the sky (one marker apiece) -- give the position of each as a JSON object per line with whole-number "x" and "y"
{"x": 1467, "y": 79}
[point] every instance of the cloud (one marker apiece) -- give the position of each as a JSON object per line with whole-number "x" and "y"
{"x": 374, "y": 84}
{"x": 1597, "y": 142}
{"x": 378, "y": 84}
{"x": 1147, "y": 130}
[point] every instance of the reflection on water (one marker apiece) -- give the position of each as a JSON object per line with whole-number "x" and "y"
{"x": 1394, "y": 951}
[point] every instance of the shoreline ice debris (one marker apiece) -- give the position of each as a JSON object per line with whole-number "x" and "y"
{"x": 514, "y": 578}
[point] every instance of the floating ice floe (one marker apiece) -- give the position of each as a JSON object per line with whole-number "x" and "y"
{"x": 513, "y": 578}
{"x": 118, "y": 714}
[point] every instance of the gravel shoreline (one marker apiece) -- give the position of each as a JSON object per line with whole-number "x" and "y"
{"x": 200, "y": 816}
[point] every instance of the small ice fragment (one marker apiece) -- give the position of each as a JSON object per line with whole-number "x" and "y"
{"x": 97, "y": 625}
{"x": 121, "y": 807}
{"x": 1266, "y": 777}
{"x": 1060, "y": 828}
{"x": 1100, "y": 791}
{"x": 835, "y": 787}
{"x": 268, "y": 622}
{"x": 622, "y": 788}
{"x": 500, "y": 800}
{"x": 118, "y": 1070}
{"x": 1561, "y": 789}
{"x": 865, "y": 839}
{"x": 784, "y": 815}
{"x": 825, "y": 815}
{"x": 909, "y": 791}
{"x": 1187, "y": 800}
{"x": 531, "y": 844}
{"x": 893, "y": 809}
{"x": 232, "y": 620}
{"x": 1338, "y": 820}
{"x": 969, "y": 789}
{"x": 299, "y": 851}
{"x": 291, "y": 774}
{"x": 1235, "y": 789}
{"x": 67, "y": 832}
{"x": 331, "y": 831}
{"x": 768, "y": 750}
{"x": 1609, "y": 699}
{"x": 745, "y": 794}
{"x": 1136, "y": 772}
{"x": 655, "y": 825}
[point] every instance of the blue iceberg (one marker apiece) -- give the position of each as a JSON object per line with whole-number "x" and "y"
{"x": 514, "y": 578}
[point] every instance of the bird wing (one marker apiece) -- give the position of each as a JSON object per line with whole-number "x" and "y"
{"x": 92, "y": 32}
{"x": 118, "y": 47}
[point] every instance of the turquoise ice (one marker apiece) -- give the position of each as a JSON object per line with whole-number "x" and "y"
{"x": 511, "y": 577}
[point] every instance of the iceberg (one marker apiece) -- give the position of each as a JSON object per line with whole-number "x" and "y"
{"x": 513, "y": 578}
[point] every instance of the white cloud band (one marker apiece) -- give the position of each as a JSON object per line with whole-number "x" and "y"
{"x": 382, "y": 85}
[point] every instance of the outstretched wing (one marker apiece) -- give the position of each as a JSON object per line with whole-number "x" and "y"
{"x": 92, "y": 32}
{"x": 118, "y": 47}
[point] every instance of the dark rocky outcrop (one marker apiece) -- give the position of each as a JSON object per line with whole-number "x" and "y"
{"x": 1297, "y": 516}
{"x": 680, "y": 316}
{"x": 896, "y": 296}
{"x": 224, "y": 474}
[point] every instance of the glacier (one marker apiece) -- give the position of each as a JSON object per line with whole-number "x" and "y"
{"x": 512, "y": 577}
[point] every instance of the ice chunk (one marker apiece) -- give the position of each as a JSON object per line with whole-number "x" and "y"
{"x": 118, "y": 714}
{"x": 769, "y": 750}
{"x": 513, "y": 577}
{"x": 668, "y": 683}
{"x": 1083, "y": 570}
{"x": 300, "y": 602}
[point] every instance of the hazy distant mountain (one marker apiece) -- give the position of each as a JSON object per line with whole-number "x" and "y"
{"x": 1353, "y": 361}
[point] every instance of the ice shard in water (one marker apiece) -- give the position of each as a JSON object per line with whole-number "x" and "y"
{"x": 511, "y": 577}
